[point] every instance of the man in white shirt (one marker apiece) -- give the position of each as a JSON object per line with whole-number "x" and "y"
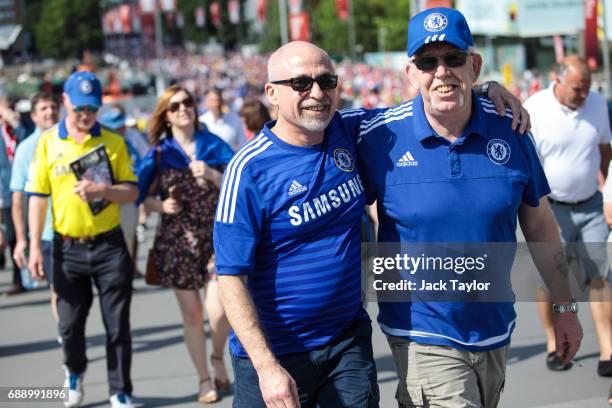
{"x": 572, "y": 134}
{"x": 225, "y": 125}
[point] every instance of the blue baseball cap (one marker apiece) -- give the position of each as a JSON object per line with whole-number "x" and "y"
{"x": 438, "y": 24}
{"x": 83, "y": 89}
{"x": 112, "y": 119}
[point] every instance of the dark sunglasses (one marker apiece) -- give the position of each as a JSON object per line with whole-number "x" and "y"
{"x": 304, "y": 83}
{"x": 88, "y": 108}
{"x": 430, "y": 62}
{"x": 175, "y": 106}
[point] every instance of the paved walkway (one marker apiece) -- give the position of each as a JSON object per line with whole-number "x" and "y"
{"x": 164, "y": 377}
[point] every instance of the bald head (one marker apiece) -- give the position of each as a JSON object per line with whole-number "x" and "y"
{"x": 294, "y": 55}
{"x": 573, "y": 82}
{"x": 574, "y": 64}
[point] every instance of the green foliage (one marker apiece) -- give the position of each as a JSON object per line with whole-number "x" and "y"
{"x": 331, "y": 33}
{"x": 68, "y": 27}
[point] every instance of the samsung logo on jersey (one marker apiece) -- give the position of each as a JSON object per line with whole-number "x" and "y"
{"x": 319, "y": 206}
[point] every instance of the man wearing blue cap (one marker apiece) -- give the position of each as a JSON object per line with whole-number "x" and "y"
{"x": 445, "y": 167}
{"x": 88, "y": 246}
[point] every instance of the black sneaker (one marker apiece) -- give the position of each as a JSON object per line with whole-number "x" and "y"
{"x": 604, "y": 368}
{"x": 554, "y": 363}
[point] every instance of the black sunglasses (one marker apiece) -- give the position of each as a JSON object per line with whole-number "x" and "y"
{"x": 430, "y": 62}
{"x": 88, "y": 108}
{"x": 304, "y": 83}
{"x": 175, "y": 106}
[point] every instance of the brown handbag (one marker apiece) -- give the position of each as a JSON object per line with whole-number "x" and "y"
{"x": 152, "y": 273}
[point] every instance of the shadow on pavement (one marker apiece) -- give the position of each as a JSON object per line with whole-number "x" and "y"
{"x": 139, "y": 346}
{"x": 520, "y": 353}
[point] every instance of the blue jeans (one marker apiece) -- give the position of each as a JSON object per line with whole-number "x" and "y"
{"x": 341, "y": 374}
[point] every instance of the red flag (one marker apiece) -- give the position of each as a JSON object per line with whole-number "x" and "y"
{"x": 215, "y": 13}
{"x": 437, "y": 3}
{"x": 124, "y": 15}
{"x": 261, "y": 10}
{"x": 233, "y": 10}
{"x": 591, "y": 46}
{"x": 342, "y": 7}
{"x": 559, "y": 51}
{"x": 299, "y": 25}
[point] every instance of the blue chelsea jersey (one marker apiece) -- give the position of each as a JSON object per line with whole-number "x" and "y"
{"x": 430, "y": 190}
{"x": 289, "y": 218}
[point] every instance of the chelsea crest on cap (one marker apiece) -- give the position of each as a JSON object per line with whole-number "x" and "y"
{"x": 438, "y": 25}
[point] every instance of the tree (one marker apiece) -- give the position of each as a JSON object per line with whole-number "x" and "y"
{"x": 68, "y": 27}
{"x": 331, "y": 33}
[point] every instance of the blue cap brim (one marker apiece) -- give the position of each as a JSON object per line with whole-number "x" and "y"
{"x": 462, "y": 45}
{"x": 85, "y": 100}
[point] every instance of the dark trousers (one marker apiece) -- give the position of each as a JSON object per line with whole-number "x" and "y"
{"x": 11, "y": 240}
{"x": 107, "y": 264}
{"x": 341, "y": 374}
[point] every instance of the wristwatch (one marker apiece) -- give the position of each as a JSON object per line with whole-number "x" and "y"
{"x": 485, "y": 88}
{"x": 566, "y": 307}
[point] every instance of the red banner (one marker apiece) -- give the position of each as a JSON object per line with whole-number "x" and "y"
{"x": 591, "y": 46}
{"x": 261, "y": 10}
{"x": 125, "y": 16}
{"x": 215, "y": 13}
{"x": 342, "y": 7}
{"x": 299, "y": 26}
{"x": 559, "y": 50}
{"x": 436, "y": 3}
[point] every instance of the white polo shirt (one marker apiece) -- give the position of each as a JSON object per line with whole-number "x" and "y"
{"x": 568, "y": 142}
{"x": 228, "y": 127}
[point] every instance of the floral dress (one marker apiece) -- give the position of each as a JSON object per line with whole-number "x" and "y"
{"x": 183, "y": 242}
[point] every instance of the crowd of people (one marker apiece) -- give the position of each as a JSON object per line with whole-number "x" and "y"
{"x": 276, "y": 253}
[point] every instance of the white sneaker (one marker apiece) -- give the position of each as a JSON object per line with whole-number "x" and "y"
{"x": 74, "y": 382}
{"x": 121, "y": 400}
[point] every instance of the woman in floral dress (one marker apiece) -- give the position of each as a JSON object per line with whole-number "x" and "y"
{"x": 180, "y": 178}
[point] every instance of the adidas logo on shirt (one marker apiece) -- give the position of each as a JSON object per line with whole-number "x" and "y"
{"x": 296, "y": 188}
{"x": 407, "y": 160}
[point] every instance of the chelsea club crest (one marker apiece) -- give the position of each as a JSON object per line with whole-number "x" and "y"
{"x": 86, "y": 87}
{"x": 435, "y": 22}
{"x": 498, "y": 151}
{"x": 344, "y": 160}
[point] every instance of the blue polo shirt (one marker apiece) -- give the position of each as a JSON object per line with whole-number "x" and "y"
{"x": 430, "y": 190}
{"x": 289, "y": 218}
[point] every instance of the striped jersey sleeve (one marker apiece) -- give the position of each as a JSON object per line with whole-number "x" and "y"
{"x": 240, "y": 213}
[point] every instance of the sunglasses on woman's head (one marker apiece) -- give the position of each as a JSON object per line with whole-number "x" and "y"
{"x": 304, "y": 83}
{"x": 175, "y": 106}
{"x": 454, "y": 59}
